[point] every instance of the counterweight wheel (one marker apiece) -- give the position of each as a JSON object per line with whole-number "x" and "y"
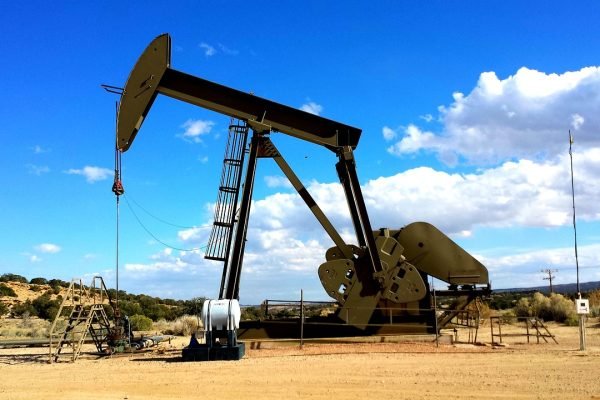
{"x": 359, "y": 293}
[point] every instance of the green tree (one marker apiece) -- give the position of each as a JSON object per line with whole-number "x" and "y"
{"x": 45, "y": 307}
{"x": 58, "y": 282}
{"x": 140, "y": 323}
{"x": 39, "y": 281}
{"x": 13, "y": 278}
{"x": 129, "y": 307}
{"x": 554, "y": 308}
{"x": 25, "y": 308}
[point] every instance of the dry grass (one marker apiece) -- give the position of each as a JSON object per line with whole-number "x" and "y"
{"x": 182, "y": 326}
{"x": 22, "y": 328}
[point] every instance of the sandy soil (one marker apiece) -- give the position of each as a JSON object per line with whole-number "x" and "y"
{"x": 322, "y": 371}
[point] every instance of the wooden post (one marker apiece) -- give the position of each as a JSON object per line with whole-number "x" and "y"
{"x": 301, "y": 318}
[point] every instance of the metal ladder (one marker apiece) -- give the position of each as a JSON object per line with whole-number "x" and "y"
{"x": 82, "y": 312}
{"x": 229, "y": 189}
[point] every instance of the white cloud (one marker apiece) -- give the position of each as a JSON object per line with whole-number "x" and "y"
{"x": 526, "y": 115}
{"x": 34, "y": 258}
{"x": 277, "y": 181}
{"x": 208, "y": 49}
{"x": 92, "y": 174}
{"x": 286, "y": 243}
{"x": 426, "y": 117}
{"x": 38, "y": 170}
{"x": 48, "y": 248}
{"x": 389, "y": 133}
{"x": 226, "y": 50}
{"x": 414, "y": 140}
{"x": 523, "y": 193}
{"x": 37, "y": 149}
{"x": 194, "y": 234}
{"x": 576, "y": 121}
{"x": 194, "y": 129}
{"x": 527, "y": 265}
{"x": 312, "y": 107}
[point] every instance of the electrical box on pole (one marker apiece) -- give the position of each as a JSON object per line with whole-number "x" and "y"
{"x": 582, "y": 306}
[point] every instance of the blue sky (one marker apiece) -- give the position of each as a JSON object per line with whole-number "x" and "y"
{"x": 465, "y": 109}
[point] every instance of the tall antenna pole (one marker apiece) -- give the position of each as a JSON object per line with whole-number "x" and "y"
{"x": 574, "y": 219}
{"x": 582, "y": 344}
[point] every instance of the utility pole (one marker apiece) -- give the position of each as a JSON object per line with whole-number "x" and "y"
{"x": 582, "y": 345}
{"x": 549, "y": 272}
{"x": 574, "y": 218}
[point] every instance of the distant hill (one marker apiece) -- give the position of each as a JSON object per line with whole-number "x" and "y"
{"x": 566, "y": 288}
{"x": 42, "y": 297}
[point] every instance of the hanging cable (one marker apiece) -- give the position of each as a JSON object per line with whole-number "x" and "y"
{"x": 164, "y": 221}
{"x": 154, "y": 237}
{"x": 118, "y": 190}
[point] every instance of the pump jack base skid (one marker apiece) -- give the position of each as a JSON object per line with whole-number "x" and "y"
{"x": 216, "y": 353}
{"x": 320, "y": 328}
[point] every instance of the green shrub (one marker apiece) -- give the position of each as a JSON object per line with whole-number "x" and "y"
{"x": 7, "y": 291}
{"x": 572, "y": 320}
{"x": 252, "y": 313}
{"x": 39, "y": 281}
{"x": 3, "y": 309}
{"x": 140, "y": 323}
{"x": 554, "y": 308}
{"x": 45, "y": 307}
{"x": 25, "y": 308}
{"x": 130, "y": 308}
{"x": 58, "y": 282}
{"x": 522, "y": 308}
{"x": 13, "y": 278}
{"x": 594, "y": 298}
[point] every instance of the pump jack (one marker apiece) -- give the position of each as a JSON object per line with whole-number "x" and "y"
{"x": 385, "y": 268}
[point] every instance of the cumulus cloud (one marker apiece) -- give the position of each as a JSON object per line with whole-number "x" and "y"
{"x": 277, "y": 182}
{"x": 195, "y": 129}
{"x": 208, "y": 49}
{"x": 48, "y": 248}
{"x": 389, "y": 133}
{"x": 92, "y": 174}
{"x": 38, "y": 170}
{"x": 285, "y": 240}
{"x": 312, "y": 107}
{"x": 576, "y": 121}
{"x": 517, "y": 193}
{"x": 527, "y": 265}
{"x": 196, "y": 235}
{"x": 526, "y": 115}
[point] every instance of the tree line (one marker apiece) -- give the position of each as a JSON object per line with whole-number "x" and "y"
{"x": 45, "y": 307}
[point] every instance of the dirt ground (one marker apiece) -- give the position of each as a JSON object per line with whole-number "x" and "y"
{"x": 392, "y": 368}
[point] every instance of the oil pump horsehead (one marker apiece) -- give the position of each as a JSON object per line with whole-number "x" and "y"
{"x": 385, "y": 268}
